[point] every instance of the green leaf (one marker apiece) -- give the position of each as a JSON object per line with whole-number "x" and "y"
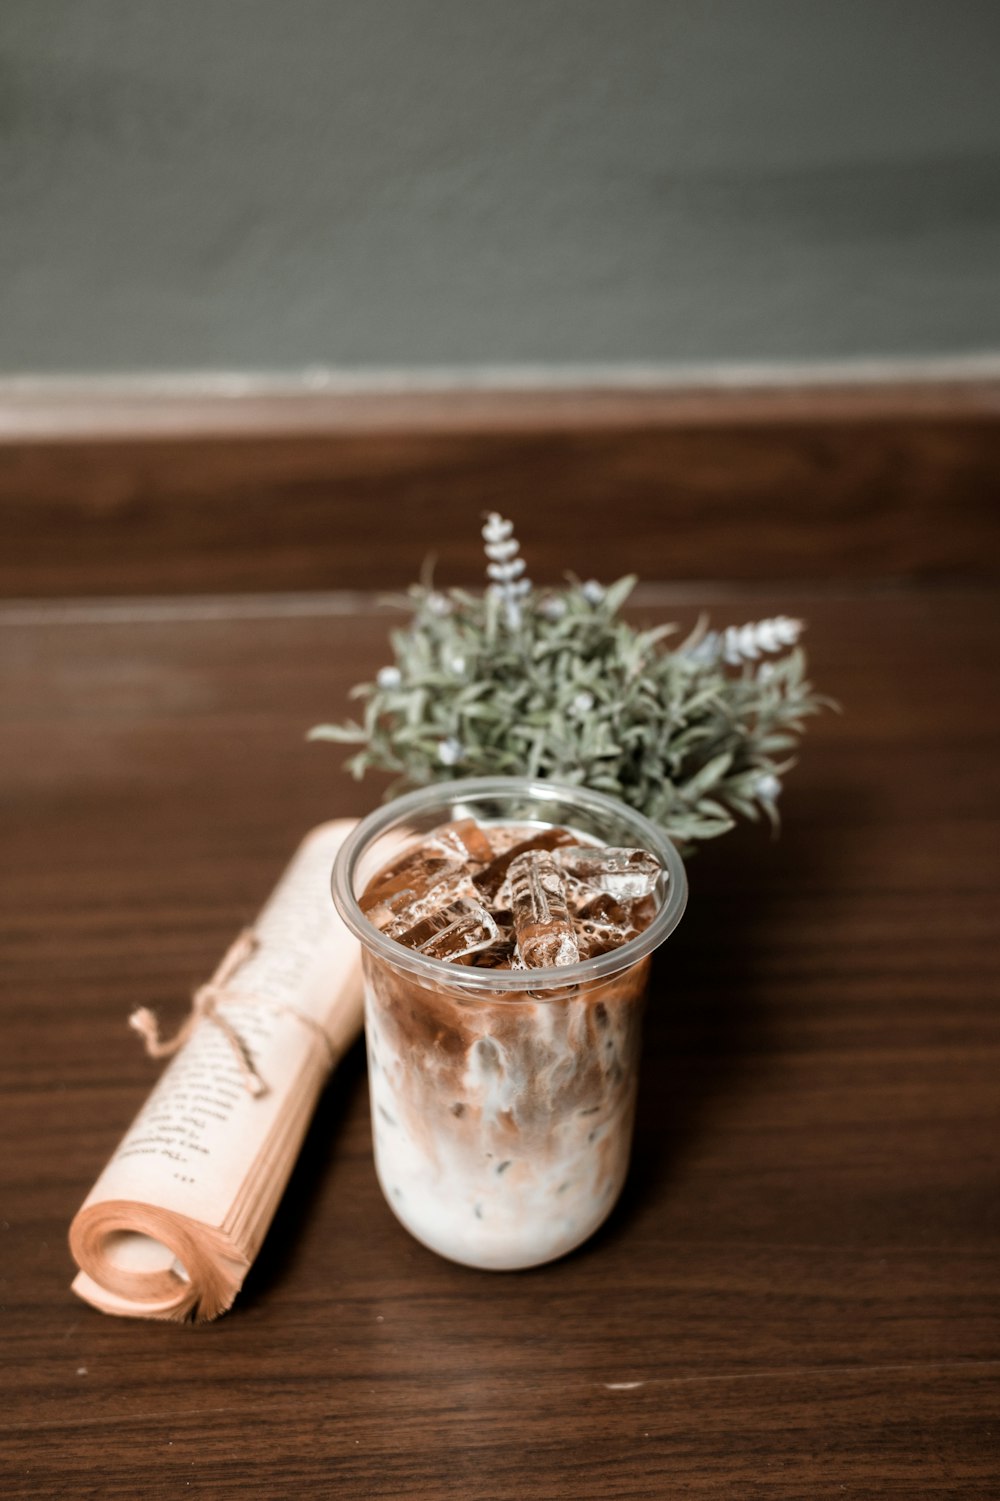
{"x": 713, "y": 771}
{"x": 618, "y": 592}
{"x": 342, "y": 734}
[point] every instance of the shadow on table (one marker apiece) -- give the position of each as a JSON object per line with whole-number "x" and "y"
{"x": 708, "y": 1024}
{"x": 323, "y": 1140}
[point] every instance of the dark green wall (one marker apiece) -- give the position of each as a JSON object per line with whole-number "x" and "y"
{"x": 270, "y": 184}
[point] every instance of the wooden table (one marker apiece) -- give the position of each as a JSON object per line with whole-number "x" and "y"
{"x": 798, "y": 1296}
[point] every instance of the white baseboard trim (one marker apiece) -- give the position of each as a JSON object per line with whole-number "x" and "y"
{"x": 404, "y": 380}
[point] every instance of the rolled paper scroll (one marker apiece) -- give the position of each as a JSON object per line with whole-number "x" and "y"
{"x": 174, "y": 1222}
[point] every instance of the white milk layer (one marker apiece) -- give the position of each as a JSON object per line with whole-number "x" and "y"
{"x": 510, "y": 1149}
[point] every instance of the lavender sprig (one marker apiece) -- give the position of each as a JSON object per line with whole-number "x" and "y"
{"x": 505, "y": 568}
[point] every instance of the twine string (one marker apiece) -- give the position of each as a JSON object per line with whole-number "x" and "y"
{"x": 206, "y": 1004}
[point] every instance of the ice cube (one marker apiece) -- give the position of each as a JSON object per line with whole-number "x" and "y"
{"x": 603, "y": 924}
{"x": 598, "y": 938}
{"x": 624, "y": 874}
{"x": 452, "y": 932}
{"x": 491, "y": 878}
{"x": 605, "y": 909}
{"x": 463, "y": 840}
{"x": 402, "y": 910}
{"x": 498, "y": 955}
{"x": 544, "y": 929}
{"x": 383, "y": 914}
{"x": 416, "y": 873}
{"x": 450, "y": 853}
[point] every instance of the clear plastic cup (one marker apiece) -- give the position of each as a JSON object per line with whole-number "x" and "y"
{"x": 502, "y": 1101}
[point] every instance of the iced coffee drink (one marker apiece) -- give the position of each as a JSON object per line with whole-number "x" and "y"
{"x": 506, "y": 949}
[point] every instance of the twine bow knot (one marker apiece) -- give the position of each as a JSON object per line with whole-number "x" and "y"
{"x": 205, "y": 1006}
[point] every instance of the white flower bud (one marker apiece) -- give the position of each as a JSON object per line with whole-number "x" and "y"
{"x": 592, "y": 591}
{"x": 744, "y": 643}
{"x": 450, "y": 751}
{"x": 502, "y": 552}
{"x": 389, "y": 677}
{"x": 496, "y": 528}
{"x": 768, "y": 788}
{"x": 503, "y": 572}
{"x": 583, "y": 703}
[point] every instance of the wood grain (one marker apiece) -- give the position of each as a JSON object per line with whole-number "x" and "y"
{"x": 797, "y": 1297}
{"x": 132, "y": 496}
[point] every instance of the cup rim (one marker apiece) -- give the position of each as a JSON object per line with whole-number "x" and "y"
{"x": 488, "y": 981}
